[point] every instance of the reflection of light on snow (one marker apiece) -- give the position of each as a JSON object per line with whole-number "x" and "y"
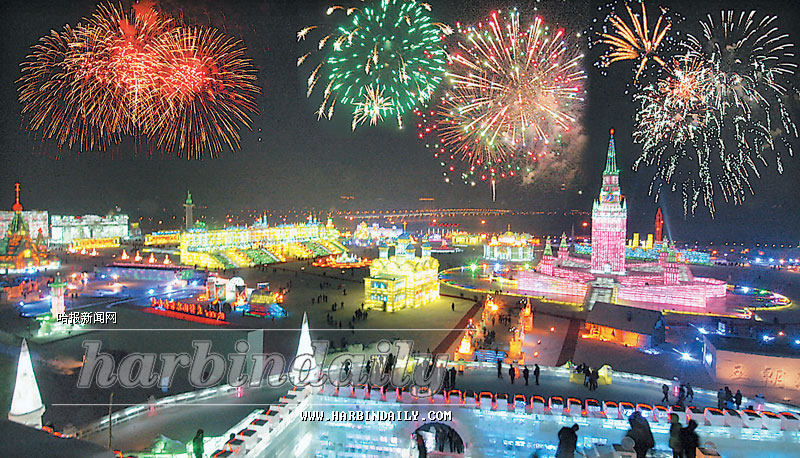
{"x": 702, "y": 330}
{"x": 151, "y": 291}
{"x": 709, "y": 358}
{"x": 650, "y": 351}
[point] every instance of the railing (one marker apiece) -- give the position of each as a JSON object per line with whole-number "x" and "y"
{"x": 132, "y": 412}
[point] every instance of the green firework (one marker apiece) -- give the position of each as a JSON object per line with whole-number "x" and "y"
{"x": 384, "y": 60}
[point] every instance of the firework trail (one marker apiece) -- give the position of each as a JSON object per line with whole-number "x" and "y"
{"x": 138, "y": 73}
{"x": 381, "y": 61}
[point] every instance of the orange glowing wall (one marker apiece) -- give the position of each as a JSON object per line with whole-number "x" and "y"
{"x": 617, "y": 336}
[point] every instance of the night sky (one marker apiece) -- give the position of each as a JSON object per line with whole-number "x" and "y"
{"x": 290, "y": 160}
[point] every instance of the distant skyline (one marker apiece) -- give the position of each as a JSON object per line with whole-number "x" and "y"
{"x": 291, "y": 160}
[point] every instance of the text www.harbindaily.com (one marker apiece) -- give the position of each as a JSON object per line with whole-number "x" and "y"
{"x": 375, "y": 415}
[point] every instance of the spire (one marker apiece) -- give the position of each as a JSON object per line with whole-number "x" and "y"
{"x": 18, "y": 224}
{"x": 305, "y": 353}
{"x": 548, "y": 250}
{"x": 563, "y": 241}
{"x": 40, "y": 238}
{"x": 611, "y": 158}
{"x": 26, "y": 404}
{"x": 17, "y": 207}
{"x": 659, "y": 225}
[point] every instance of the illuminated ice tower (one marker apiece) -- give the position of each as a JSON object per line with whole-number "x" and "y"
{"x": 189, "y": 206}
{"x": 26, "y": 403}
{"x": 659, "y": 225}
{"x": 57, "y": 289}
{"x": 609, "y": 219}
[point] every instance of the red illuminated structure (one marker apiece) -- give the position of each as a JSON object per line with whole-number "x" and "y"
{"x": 659, "y": 226}
{"x": 606, "y": 277}
{"x": 609, "y": 220}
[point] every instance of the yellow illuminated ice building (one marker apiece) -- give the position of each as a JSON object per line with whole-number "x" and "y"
{"x": 403, "y": 280}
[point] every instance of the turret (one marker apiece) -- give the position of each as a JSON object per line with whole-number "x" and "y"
{"x": 410, "y": 251}
{"x": 663, "y": 252}
{"x": 563, "y": 248}
{"x": 401, "y": 245}
{"x": 546, "y": 264}
{"x": 548, "y": 250}
{"x": 383, "y": 250}
{"x": 671, "y": 266}
{"x": 57, "y": 289}
{"x": 426, "y": 250}
{"x": 189, "y": 206}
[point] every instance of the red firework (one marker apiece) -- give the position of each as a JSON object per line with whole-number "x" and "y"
{"x": 190, "y": 89}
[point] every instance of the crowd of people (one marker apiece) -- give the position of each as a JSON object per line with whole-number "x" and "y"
{"x": 685, "y": 393}
{"x": 591, "y": 376}
{"x": 683, "y": 440}
{"x": 726, "y": 399}
{"x": 513, "y": 371}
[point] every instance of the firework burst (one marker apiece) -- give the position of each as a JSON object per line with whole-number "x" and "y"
{"x": 138, "y": 73}
{"x": 208, "y": 85}
{"x": 676, "y": 123}
{"x": 514, "y": 93}
{"x": 373, "y": 108}
{"x": 387, "y": 54}
{"x": 636, "y": 41}
{"x": 721, "y": 112}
